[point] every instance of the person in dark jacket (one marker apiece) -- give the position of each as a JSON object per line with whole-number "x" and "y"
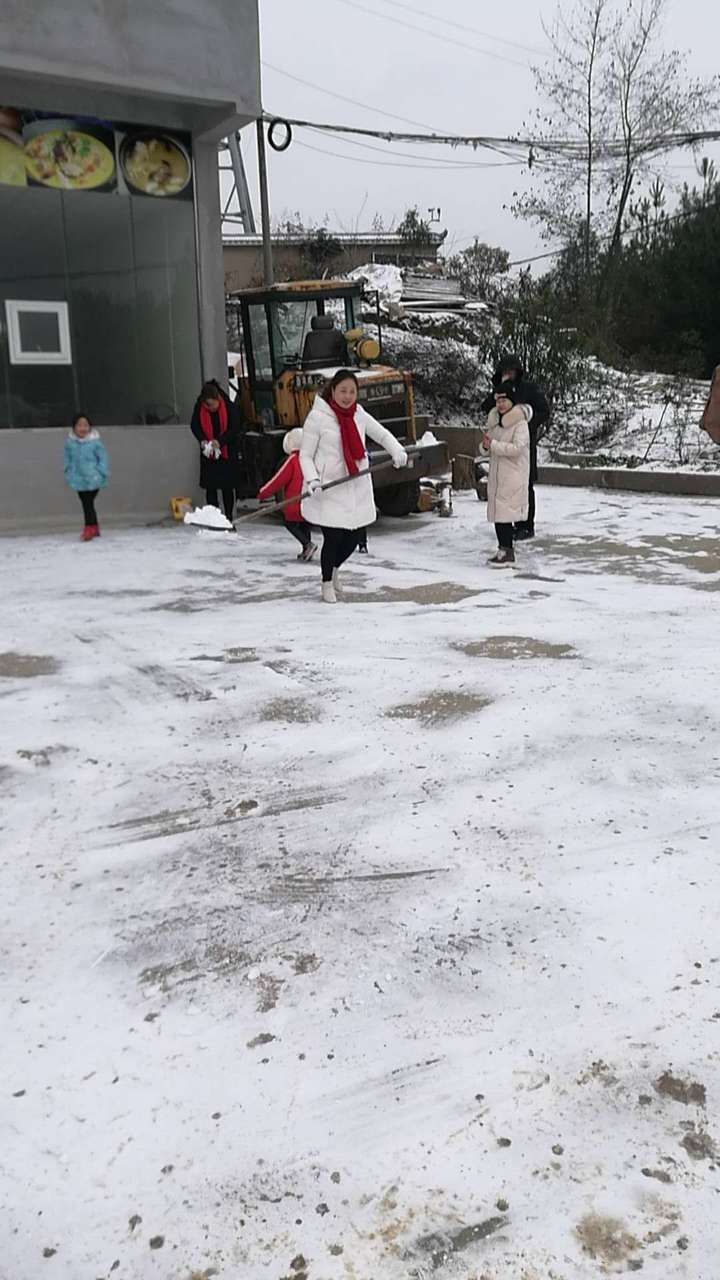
{"x": 510, "y": 369}
{"x": 215, "y": 426}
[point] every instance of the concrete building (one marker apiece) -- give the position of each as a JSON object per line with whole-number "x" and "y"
{"x": 111, "y": 268}
{"x": 300, "y": 254}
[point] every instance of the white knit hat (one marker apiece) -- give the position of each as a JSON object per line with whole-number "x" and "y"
{"x": 293, "y": 440}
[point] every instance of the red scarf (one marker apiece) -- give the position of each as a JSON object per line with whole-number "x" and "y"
{"x": 352, "y": 446}
{"x": 206, "y": 423}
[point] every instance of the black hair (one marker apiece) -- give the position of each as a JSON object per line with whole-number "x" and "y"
{"x": 508, "y": 390}
{"x": 510, "y": 360}
{"x": 77, "y": 418}
{"x": 211, "y": 391}
{"x": 342, "y": 375}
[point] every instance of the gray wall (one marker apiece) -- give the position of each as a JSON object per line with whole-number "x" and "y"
{"x": 200, "y": 56}
{"x": 148, "y": 466}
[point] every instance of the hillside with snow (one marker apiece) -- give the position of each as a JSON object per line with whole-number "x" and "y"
{"x": 607, "y": 417}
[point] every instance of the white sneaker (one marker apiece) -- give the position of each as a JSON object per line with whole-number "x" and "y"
{"x": 328, "y": 593}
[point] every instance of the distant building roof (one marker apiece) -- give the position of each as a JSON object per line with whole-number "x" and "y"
{"x": 344, "y": 237}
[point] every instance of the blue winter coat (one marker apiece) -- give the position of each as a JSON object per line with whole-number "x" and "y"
{"x": 86, "y": 462}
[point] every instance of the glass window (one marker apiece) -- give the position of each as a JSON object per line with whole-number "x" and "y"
{"x": 38, "y": 332}
{"x": 125, "y": 268}
{"x": 102, "y": 297}
{"x": 260, "y": 343}
{"x": 291, "y": 324}
{"x": 32, "y": 268}
{"x": 335, "y": 307}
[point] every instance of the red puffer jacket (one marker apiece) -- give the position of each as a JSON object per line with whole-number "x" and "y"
{"x": 290, "y": 479}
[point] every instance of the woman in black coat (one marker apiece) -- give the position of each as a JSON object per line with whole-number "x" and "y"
{"x": 215, "y": 426}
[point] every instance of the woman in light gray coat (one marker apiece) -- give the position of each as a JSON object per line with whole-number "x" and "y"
{"x": 507, "y": 440}
{"x": 333, "y": 447}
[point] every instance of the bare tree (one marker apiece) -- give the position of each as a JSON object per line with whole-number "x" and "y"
{"x": 610, "y": 89}
{"x": 572, "y": 86}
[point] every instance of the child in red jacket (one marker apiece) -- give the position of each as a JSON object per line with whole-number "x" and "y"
{"x": 289, "y": 479}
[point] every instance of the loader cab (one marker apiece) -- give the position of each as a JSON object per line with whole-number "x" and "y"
{"x": 294, "y": 336}
{"x": 294, "y": 327}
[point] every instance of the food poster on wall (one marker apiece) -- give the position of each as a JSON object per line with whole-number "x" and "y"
{"x": 153, "y": 162}
{"x": 41, "y": 149}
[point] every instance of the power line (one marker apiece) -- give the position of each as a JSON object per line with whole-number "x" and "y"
{"x": 461, "y": 26}
{"x": 628, "y": 231}
{"x": 538, "y": 257}
{"x": 434, "y": 35}
{"x": 394, "y": 164}
{"x": 561, "y": 148}
{"x": 434, "y": 160}
{"x": 309, "y": 84}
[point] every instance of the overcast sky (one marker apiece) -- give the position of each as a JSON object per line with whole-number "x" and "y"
{"x": 448, "y": 78}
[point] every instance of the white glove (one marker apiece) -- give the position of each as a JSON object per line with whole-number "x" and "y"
{"x": 313, "y": 486}
{"x": 400, "y": 459}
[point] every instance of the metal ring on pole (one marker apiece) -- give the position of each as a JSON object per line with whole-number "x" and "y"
{"x": 285, "y": 143}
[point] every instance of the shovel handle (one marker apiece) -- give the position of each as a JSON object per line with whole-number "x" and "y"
{"x": 271, "y": 508}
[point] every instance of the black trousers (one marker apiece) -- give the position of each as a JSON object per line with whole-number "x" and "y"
{"x": 529, "y": 524}
{"x": 338, "y": 544}
{"x": 299, "y": 529}
{"x": 228, "y": 500}
{"x": 362, "y": 538}
{"x": 87, "y": 497}
{"x": 504, "y": 536}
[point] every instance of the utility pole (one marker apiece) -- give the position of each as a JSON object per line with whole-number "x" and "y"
{"x": 268, "y": 276}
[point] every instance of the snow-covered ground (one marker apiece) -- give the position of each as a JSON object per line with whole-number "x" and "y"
{"x": 374, "y": 941}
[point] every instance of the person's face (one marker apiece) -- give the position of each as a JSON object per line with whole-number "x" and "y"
{"x": 509, "y": 375}
{"x": 82, "y": 428}
{"x": 345, "y": 393}
{"x": 212, "y": 405}
{"x": 502, "y": 404}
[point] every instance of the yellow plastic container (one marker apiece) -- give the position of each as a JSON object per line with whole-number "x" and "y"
{"x": 180, "y": 506}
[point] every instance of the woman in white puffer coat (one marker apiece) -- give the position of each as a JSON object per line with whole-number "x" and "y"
{"x": 507, "y": 439}
{"x": 333, "y": 446}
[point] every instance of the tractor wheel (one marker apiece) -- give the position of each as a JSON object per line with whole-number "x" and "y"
{"x": 398, "y": 499}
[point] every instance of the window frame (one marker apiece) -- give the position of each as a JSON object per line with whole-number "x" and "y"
{"x": 18, "y": 355}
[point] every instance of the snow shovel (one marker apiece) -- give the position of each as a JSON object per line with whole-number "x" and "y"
{"x": 272, "y": 507}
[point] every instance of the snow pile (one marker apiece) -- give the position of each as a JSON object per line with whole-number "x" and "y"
{"x": 428, "y": 439}
{"x": 383, "y": 277}
{"x": 208, "y": 518}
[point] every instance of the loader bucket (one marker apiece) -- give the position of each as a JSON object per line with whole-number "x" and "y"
{"x": 710, "y": 420}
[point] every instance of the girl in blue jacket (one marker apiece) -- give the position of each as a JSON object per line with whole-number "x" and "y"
{"x": 86, "y": 470}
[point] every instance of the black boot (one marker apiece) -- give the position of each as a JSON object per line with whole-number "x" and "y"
{"x": 505, "y": 556}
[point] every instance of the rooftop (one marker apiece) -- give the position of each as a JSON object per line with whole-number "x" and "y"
{"x": 344, "y": 237}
